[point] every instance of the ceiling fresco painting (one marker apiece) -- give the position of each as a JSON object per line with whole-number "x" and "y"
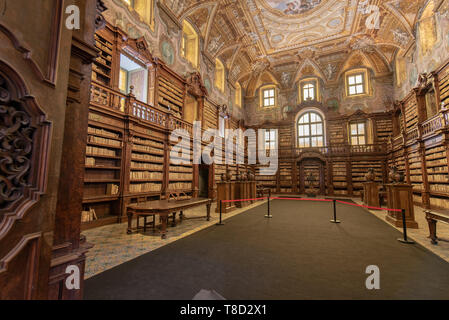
{"x": 293, "y": 6}
{"x": 293, "y": 39}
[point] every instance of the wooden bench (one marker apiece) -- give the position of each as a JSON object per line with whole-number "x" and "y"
{"x": 432, "y": 219}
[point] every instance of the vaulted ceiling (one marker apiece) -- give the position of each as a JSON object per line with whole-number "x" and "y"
{"x": 286, "y": 38}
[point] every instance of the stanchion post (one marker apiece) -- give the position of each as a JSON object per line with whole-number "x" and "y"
{"x": 334, "y": 201}
{"x": 404, "y": 228}
{"x": 269, "y": 211}
{"x": 220, "y": 223}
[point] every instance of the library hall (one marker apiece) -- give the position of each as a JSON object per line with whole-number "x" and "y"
{"x": 206, "y": 151}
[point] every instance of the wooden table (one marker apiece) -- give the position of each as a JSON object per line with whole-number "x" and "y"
{"x": 432, "y": 219}
{"x": 164, "y": 208}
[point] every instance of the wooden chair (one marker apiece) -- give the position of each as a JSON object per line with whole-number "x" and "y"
{"x": 145, "y": 223}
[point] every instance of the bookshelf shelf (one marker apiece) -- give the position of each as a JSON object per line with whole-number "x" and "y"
{"x": 102, "y": 168}
{"x": 99, "y": 199}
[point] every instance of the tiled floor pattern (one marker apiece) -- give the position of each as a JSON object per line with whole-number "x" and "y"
{"x": 113, "y": 246}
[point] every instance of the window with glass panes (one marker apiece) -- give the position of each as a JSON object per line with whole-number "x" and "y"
{"x": 356, "y": 84}
{"x": 269, "y": 97}
{"x": 270, "y": 139}
{"x": 310, "y": 130}
{"x": 358, "y": 133}
{"x": 308, "y": 91}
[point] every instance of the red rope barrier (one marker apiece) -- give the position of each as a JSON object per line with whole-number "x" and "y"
{"x": 241, "y": 200}
{"x": 303, "y": 199}
{"x": 308, "y": 199}
{"x": 368, "y": 207}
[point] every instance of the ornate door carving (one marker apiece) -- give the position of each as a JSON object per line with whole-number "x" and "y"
{"x": 315, "y": 167}
{"x": 24, "y": 141}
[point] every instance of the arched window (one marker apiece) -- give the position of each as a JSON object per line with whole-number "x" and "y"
{"x": 219, "y": 75}
{"x": 310, "y": 130}
{"x": 189, "y": 43}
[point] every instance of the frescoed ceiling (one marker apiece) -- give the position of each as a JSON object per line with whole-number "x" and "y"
{"x": 283, "y": 37}
{"x": 301, "y": 23}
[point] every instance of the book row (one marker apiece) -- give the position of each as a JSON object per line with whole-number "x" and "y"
{"x": 92, "y": 130}
{"x": 100, "y": 140}
{"x": 100, "y": 151}
{"x": 139, "y": 175}
{"x": 145, "y": 187}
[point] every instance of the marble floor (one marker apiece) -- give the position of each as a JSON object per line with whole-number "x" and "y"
{"x": 113, "y": 246}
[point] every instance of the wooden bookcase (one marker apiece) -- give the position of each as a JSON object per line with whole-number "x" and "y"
{"x": 266, "y": 181}
{"x": 103, "y": 165}
{"x": 443, "y": 85}
{"x": 359, "y": 170}
{"x": 102, "y": 65}
{"x": 210, "y": 116}
{"x": 171, "y": 90}
{"x": 286, "y": 140}
{"x": 410, "y": 112}
{"x": 339, "y": 175}
{"x": 425, "y": 140}
{"x": 285, "y": 177}
{"x": 180, "y": 173}
{"x": 336, "y": 132}
{"x": 146, "y": 172}
{"x": 384, "y": 129}
{"x": 415, "y": 160}
{"x": 438, "y": 178}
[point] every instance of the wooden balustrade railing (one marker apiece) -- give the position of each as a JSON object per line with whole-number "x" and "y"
{"x": 178, "y": 124}
{"x": 413, "y": 134}
{"x": 339, "y": 149}
{"x": 342, "y": 149}
{"x": 321, "y": 150}
{"x": 108, "y": 98}
{"x": 369, "y": 148}
{"x": 146, "y": 112}
{"x": 433, "y": 124}
{"x": 103, "y": 96}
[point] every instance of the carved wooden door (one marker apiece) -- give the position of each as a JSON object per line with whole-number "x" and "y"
{"x": 33, "y": 81}
{"x": 311, "y": 175}
{"x": 24, "y": 135}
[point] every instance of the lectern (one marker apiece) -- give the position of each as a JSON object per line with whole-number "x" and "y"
{"x": 371, "y": 194}
{"x": 400, "y": 196}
